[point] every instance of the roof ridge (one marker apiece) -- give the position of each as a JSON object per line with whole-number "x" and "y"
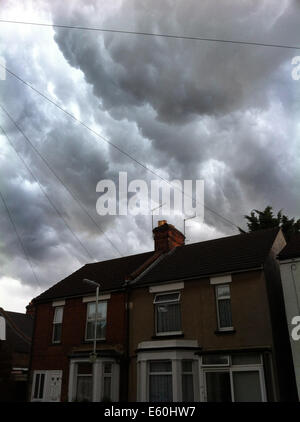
{"x": 117, "y": 259}
{"x": 232, "y": 236}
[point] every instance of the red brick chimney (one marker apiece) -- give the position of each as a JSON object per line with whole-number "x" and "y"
{"x": 30, "y": 309}
{"x": 167, "y": 237}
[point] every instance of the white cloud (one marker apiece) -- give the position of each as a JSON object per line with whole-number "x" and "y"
{"x": 15, "y": 296}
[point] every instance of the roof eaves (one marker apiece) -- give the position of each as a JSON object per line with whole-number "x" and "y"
{"x": 71, "y": 296}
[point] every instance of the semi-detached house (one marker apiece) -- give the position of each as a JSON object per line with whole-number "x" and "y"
{"x": 198, "y": 322}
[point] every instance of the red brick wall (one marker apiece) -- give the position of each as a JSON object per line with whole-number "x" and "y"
{"x": 48, "y": 356}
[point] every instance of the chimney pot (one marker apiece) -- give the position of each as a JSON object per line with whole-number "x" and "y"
{"x": 162, "y": 222}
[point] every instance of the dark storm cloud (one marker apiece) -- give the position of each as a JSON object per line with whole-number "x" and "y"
{"x": 188, "y": 109}
{"x": 178, "y": 78}
{"x": 169, "y": 87}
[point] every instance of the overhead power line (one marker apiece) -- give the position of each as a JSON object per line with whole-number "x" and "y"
{"x": 46, "y": 195}
{"x": 20, "y": 240}
{"x": 98, "y": 135}
{"x": 153, "y": 34}
{"x": 77, "y": 200}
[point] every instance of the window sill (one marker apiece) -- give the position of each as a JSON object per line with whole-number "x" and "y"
{"x": 164, "y": 336}
{"x": 230, "y": 331}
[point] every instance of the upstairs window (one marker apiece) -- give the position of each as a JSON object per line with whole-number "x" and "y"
{"x": 57, "y": 324}
{"x": 167, "y": 313}
{"x": 224, "y": 307}
{"x": 91, "y": 320}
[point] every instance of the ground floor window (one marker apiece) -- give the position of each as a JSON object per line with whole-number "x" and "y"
{"x": 168, "y": 375}
{"x": 174, "y": 371}
{"x": 93, "y": 382}
{"x": 237, "y": 378}
{"x": 187, "y": 380}
{"x": 107, "y": 392}
{"x": 160, "y": 381}
{"x": 84, "y": 384}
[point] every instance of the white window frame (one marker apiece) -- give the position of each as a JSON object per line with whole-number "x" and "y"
{"x": 257, "y": 367}
{"x": 97, "y": 394}
{"x": 107, "y": 375}
{"x": 167, "y": 333}
{"x": 158, "y": 373}
{"x": 217, "y": 364}
{"x": 93, "y": 319}
{"x": 57, "y": 323}
{"x": 217, "y": 306}
{"x": 35, "y": 375}
{"x": 192, "y": 373}
{"x": 91, "y": 375}
{"x": 176, "y": 357}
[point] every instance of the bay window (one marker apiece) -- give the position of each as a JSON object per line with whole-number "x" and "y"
{"x": 168, "y": 371}
{"x": 84, "y": 385}
{"x": 107, "y": 381}
{"x": 160, "y": 381}
{"x": 93, "y": 382}
{"x": 187, "y": 380}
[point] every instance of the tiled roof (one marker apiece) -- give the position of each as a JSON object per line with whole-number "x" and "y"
{"x": 292, "y": 249}
{"x": 19, "y": 328}
{"x": 110, "y": 274}
{"x": 226, "y": 254}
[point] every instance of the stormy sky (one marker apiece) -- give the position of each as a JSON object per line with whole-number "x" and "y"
{"x": 187, "y": 109}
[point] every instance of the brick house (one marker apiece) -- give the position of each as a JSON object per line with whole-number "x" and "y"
{"x": 199, "y": 322}
{"x": 61, "y": 369}
{"x": 15, "y": 344}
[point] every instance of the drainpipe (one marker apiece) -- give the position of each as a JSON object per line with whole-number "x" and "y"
{"x": 30, "y": 372}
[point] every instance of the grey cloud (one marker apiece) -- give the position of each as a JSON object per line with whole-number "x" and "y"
{"x": 189, "y": 109}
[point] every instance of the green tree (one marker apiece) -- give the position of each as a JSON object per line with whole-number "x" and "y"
{"x": 258, "y": 220}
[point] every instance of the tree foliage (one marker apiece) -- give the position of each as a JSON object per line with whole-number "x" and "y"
{"x": 258, "y": 220}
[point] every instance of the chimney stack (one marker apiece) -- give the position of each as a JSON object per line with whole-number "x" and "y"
{"x": 30, "y": 309}
{"x": 167, "y": 237}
